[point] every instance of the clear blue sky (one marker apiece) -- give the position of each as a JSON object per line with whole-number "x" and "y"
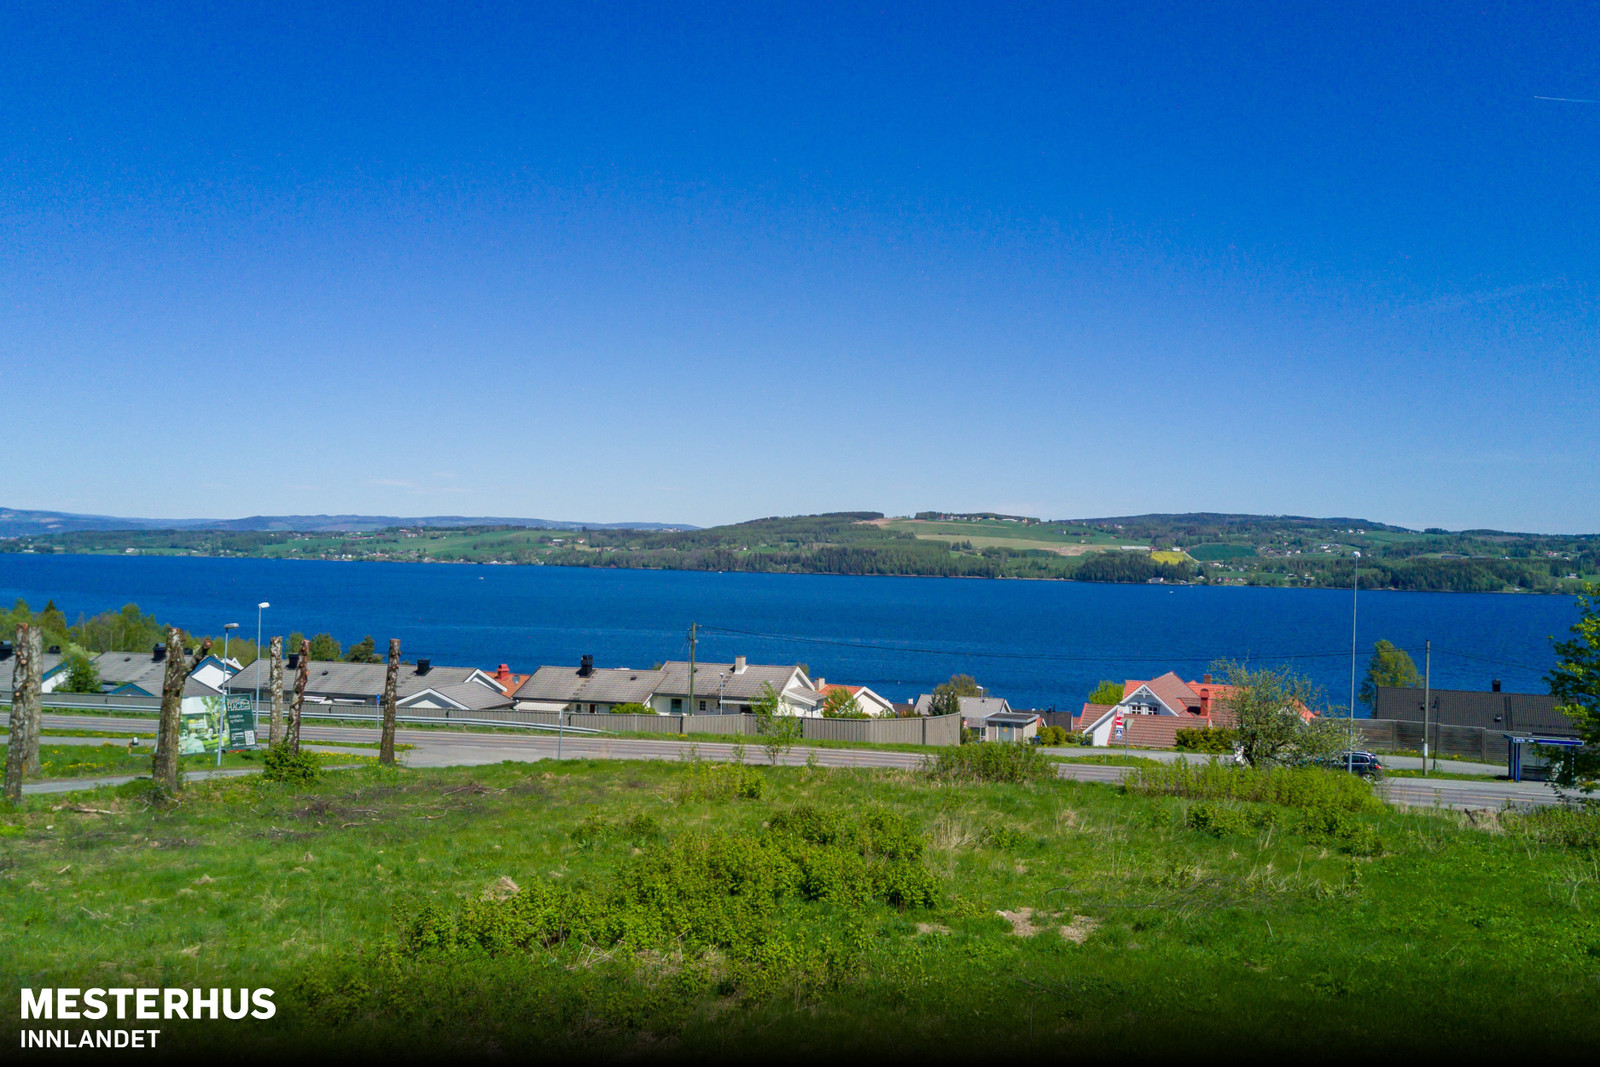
{"x": 713, "y": 262}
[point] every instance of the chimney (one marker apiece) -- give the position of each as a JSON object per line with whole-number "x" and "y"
{"x": 158, "y": 654}
{"x": 1494, "y": 686}
{"x": 1206, "y": 678}
{"x": 54, "y": 650}
{"x": 586, "y": 667}
{"x": 738, "y": 665}
{"x": 5, "y": 649}
{"x": 294, "y": 661}
{"x": 819, "y": 684}
{"x": 424, "y": 666}
{"x": 503, "y": 673}
{"x": 1205, "y": 700}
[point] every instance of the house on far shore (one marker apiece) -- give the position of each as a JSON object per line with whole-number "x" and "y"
{"x": 871, "y": 703}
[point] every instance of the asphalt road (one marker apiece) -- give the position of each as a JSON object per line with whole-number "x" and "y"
{"x": 446, "y": 748}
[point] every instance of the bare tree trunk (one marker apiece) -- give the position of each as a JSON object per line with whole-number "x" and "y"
{"x": 26, "y": 698}
{"x": 164, "y": 764}
{"x": 391, "y": 683}
{"x": 24, "y": 712}
{"x": 275, "y": 688}
{"x": 302, "y": 676}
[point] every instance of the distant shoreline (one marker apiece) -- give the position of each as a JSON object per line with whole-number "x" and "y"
{"x": 795, "y": 573}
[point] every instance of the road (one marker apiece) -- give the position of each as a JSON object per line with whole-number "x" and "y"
{"x": 447, "y": 748}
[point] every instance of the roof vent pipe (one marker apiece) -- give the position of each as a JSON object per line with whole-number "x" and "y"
{"x": 5, "y": 649}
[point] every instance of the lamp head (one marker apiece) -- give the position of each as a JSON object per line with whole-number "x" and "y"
{"x": 231, "y": 626}
{"x": 263, "y": 605}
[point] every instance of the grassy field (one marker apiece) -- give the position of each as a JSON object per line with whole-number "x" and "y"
{"x": 677, "y": 910}
{"x": 992, "y": 533}
{"x": 98, "y": 761}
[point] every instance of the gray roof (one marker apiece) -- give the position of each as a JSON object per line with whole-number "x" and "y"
{"x": 973, "y": 709}
{"x": 1012, "y": 718}
{"x": 608, "y": 685}
{"x": 712, "y": 678}
{"x": 335, "y": 680}
{"x": 120, "y": 668}
{"x": 1466, "y": 707}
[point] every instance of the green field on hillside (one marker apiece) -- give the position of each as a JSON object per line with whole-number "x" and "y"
{"x": 655, "y": 910}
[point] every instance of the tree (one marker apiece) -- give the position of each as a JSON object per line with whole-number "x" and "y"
{"x": 363, "y": 651}
{"x": 1107, "y": 692}
{"x": 1266, "y": 708}
{"x": 291, "y": 735}
{"x": 391, "y": 681}
{"x": 1575, "y": 683}
{"x": 164, "y": 764}
{"x": 323, "y": 647}
{"x": 82, "y": 676}
{"x": 961, "y": 685}
{"x": 944, "y": 703}
{"x": 1389, "y": 666}
{"x": 275, "y": 692}
{"x": 22, "y": 754}
{"x": 840, "y": 703}
{"x": 778, "y": 727}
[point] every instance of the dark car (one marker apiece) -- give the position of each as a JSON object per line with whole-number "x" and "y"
{"x": 1366, "y": 764}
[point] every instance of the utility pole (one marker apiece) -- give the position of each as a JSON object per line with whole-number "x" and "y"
{"x": 222, "y": 719}
{"x": 690, "y": 709}
{"x": 1355, "y": 592}
{"x": 1427, "y": 687}
{"x": 391, "y": 684}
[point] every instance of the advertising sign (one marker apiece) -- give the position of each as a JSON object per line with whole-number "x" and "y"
{"x": 241, "y": 722}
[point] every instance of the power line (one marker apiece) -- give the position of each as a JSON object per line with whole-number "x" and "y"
{"x": 1044, "y": 657}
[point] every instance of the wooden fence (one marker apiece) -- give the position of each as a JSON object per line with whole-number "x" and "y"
{"x": 1401, "y": 735}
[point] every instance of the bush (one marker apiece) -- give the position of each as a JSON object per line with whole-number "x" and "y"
{"x": 1294, "y": 787}
{"x": 722, "y": 781}
{"x": 1202, "y": 739}
{"x": 1220, "y": 820}
{"x": 1053, "y": 735}
{"x": 990, "y": 761}
{"x": 1576, "y": 827}
{"x": 299, "y": 768}
{"x": 632, "y": 709}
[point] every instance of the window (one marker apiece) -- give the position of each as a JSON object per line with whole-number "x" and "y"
{"x": 594, "y": 709}
{"x": 677, "y": 705}
{"x": 702, "y": 705}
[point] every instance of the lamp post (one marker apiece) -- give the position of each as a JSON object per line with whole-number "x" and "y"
{"x": 1355, "y": 592}
{"x": 222, "y": 719}
{"x": 255, "y": 709}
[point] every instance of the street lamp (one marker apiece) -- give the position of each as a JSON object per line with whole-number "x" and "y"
{"x": 255, "y": 710}
{"x": 1355, "y": 592}
{"x": 222, "y": 719}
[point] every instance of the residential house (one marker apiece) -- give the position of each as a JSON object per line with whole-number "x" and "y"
{"x": 976, "y": 712}
{"x": 420, "y": 687}
{"x": 871, "y": 703}
{"x": 1154, "y": 710}
{"x": 1495, "y": 710}
{"x": 1014, "y": 726}
{"x": 53, "y": 667}
{"x": 719, "y": 688}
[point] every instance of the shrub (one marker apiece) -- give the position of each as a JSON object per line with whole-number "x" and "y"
{"x": 1053, "y": 735}
{"x": 632, "y": 709}
{"x": 1341, "y": 829}
{"x": 1575, "y": 827}
{"x": 294, "y": 767}
{"x": 990, "y": 761}
{"x": 1201, "y": 739}
{"x": 1220, "y": 820}
{"x": 1294, "y": 787}
{"x": 722, "y": 781}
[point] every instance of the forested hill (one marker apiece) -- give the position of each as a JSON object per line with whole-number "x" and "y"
{"x": 1195, "y": 548}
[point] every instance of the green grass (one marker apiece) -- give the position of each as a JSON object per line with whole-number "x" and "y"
{"x": 1107, "y": 759}
{"x": 97, "y": 761}
{"x": 1195, "y": 923}
{"x": 1445, "y": 775}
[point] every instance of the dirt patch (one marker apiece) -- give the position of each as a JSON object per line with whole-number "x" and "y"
{"x": 1482, "y": 819}
{"x": 501, "y": 888}
{"x": 1079, "y": 929}
{"x": 932, "y": 928}
{"x": 1021, "y": 922}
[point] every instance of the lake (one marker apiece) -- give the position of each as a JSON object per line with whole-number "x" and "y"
{"x": 1038, "y": 644}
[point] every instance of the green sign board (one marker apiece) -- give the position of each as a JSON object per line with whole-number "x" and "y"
{"x": 241, "y": 721}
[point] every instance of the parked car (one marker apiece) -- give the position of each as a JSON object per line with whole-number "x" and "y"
{"x": 1366, "y": 764}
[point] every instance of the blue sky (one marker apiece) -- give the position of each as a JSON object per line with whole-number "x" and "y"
{"x": 702, "y": 263}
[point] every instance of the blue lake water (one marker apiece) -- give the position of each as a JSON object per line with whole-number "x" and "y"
{"x": 1039, "y": 644}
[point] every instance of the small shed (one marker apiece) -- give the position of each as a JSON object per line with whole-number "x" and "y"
{"x": 1525, "y": 762}
{"x": 1011, "y": 726}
